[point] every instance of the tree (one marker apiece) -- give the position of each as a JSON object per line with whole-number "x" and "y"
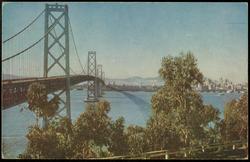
{"x": 62, "y": 127}
{"x": 178, "y": 110}
{"x": 235, "y": 124}
{"x": 93, "y": 134}
{"x": 118, "y": 143}
{"x": 94, "y": 123}
{"x": 136, "y": 139}
{"x": 51, "y": 142}
{"x": 93, "y": 127}
{"x": 41, "y": 143}
{"x": 38, "y": 102}
{"x": 160, "y": 134}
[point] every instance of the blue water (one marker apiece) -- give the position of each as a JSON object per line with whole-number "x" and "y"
{"x": 133, "y": 106}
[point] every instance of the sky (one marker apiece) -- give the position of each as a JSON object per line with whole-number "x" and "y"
{"x": 130, "y": 39}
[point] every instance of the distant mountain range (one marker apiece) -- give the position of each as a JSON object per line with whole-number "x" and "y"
{"x": 9, "y": 76}
{"x": 136, "y": 80}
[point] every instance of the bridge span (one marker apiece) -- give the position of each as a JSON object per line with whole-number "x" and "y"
{"x": 56, "y": 56}
{"x": 14, "y": 91}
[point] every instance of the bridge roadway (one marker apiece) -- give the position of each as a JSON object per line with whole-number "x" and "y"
{"x": 14, "y": 91}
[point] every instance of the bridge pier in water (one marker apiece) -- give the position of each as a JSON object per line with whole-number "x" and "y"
{"x": 99, "y": 84}
{"x": 103, "y": 78}
{"x": 92, "y": 85}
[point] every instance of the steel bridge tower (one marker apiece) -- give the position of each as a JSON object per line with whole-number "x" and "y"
{"x": 92, "y": 84}
{"x": 57, "y": 16}
{"x": 99, "y": 84}
{"x": 103, "y": 78}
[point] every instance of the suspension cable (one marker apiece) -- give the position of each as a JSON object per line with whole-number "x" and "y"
{"x": 73, "y": 71}
{"x": 75, "y": 44}
{"x": 83, "y": 72}
{"x": 24, "y": 28}
{"x": 51, "y": 27}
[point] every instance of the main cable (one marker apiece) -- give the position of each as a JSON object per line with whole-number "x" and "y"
{"x": 75, "y": 44}
{"x": 24, "y": 28}
{"x": 51, "y": 27}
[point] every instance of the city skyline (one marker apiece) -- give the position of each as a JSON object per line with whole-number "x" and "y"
{"x": 131, "y": 38}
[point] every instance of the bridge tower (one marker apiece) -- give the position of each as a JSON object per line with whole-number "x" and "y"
{"x": 92, "y": 84}
{"x": 57, "y": 15}
{"x": 99, "y": 84}
{"x": 103, "y": 78}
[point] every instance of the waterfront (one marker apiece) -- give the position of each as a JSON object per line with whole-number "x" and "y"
{"x": 133, "y": 106}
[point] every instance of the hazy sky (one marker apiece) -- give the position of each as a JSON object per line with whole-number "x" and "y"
{"x": 131, "y": 38}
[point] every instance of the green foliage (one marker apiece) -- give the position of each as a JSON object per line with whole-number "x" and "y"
{"x": 118, "y": 141}
{"x": 51, "y": 142}
{"x": 136, "y": 139}
{"x": 179, "y": 119}
{"x": 235, "y": 124}
{"x": 94, "y": 124}
{"x": 93, "y": 134}
{"x": 180, "y": 72}
{"x": 38, "y": 102}
{"x": 42, "y": 143}
{"x": 160, "y": 134}
{"x": 96, "y": 129}
{"x": 179, "y": 112}
{"x": 92, "y": 128}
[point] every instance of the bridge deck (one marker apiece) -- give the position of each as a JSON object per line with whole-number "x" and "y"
{"x": 14, "y": 91}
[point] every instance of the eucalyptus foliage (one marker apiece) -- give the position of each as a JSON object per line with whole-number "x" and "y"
{"x": 179, "y": 114}
{"x": 235, "y": 123}
{"x": 179, "y": 119}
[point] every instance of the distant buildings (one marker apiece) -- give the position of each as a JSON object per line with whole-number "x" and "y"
{"x": 221, "y": 85}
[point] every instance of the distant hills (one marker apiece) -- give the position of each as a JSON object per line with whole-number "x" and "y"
{"x": 9, "y": 76}
{"x": 136, "y": 80}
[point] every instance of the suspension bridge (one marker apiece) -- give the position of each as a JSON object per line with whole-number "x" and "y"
{"x": 42, "y": 59}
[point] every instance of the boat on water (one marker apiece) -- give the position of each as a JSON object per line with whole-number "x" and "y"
{"x": 229, "y": 91}
{"x": 221, "y": 94}
{"x": 79, "y": 89}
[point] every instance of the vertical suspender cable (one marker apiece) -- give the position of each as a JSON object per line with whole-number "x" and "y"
{"x": 75, "y": 45}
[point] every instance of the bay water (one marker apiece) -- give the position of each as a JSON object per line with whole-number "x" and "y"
{"x": 135, "y": 107}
